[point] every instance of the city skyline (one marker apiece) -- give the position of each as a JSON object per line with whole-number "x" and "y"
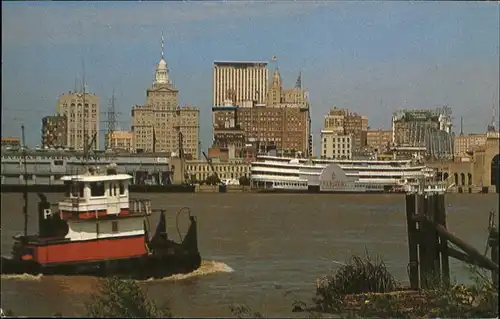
{"x": 447, "y": 52}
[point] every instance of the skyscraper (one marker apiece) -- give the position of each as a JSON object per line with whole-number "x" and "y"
{"x": 82, "y": 112}
{"x": 239, "y": 82}
{"x": 158, "y": 125}
{"x": 280, "y": 120}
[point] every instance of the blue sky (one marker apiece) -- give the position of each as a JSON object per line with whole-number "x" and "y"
{"x": 370, "y": 57}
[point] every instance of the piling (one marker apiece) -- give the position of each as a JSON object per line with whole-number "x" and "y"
{"x": 428, "y": 243}
{"x": 493, "y": 243}
{"x": 412, "y": 241}
{"x": 422, "y": 242}
{"x": 443, "y": 244}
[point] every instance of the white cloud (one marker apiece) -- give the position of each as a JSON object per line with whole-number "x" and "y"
{"x": 81, "y": 23}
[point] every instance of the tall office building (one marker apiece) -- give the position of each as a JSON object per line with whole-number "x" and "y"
{"x": 161, "y": 124}
{"x": 429, "y": 128}
{"x": 247, "y": 110}
{"x": 82, "y": 113}
{"x": 54, "y": 131}
{"x": 343, "y": 122}
{"x": 378, "y": 140}
{"x": 239, "y": 82}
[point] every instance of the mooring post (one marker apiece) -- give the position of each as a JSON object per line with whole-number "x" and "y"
{"x": 443, "y": 243}
{"x": 430, "y": 239}
{"x": 493, "y": 243}
{"x": 412, "y": 240}
{"x": 435, "y": 238}
{"x": 422, "y": 244}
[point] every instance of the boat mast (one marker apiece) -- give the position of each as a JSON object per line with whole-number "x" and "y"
{"x": 25, "y": 177}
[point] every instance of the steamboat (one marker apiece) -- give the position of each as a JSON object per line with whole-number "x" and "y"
{"x": 280, "y": 174}
{"x": 97, "y": 230}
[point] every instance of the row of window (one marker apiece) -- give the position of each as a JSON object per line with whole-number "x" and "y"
{"x": 97, "y": 189}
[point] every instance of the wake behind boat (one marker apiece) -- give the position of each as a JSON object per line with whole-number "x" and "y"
{"x": 97, "y": 230}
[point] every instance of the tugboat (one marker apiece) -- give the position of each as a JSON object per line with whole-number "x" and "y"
{"x": 97, "y": 230}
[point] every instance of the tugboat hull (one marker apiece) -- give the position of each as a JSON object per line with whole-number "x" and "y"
{"x": 140, "y": 268}
{"x": 141, "y": 258}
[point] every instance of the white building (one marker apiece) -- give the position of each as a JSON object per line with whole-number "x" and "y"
{"x": 240, "y": 82}
{"x": 335, "y": 146}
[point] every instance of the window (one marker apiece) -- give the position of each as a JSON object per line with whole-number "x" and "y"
{"x": 114, "y": 226}
{"x": 68, "y": 189}
{"x": 97, "y": 189}
{"x": 74, "y": 189}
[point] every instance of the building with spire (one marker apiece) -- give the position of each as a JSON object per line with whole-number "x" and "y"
{"x": 277, "y": 121}
{"x": 279, "y": 95}
{"x": 161, "y": 125}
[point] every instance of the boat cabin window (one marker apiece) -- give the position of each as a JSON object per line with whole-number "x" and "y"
{"x": 97, "y": 189}
{"x": 73, "y": 189}
{"x": 114, "y": 226}
{"x": 122, "y": 188}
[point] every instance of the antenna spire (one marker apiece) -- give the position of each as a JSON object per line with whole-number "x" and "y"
{"x": 493, "y": 121}
{"x": 461, "y": 126}
{"x": 162, "y": 40}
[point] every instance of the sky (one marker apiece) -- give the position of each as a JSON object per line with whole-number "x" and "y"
{"x": 369, "y": 57}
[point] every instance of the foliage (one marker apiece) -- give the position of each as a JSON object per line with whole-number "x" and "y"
{"x": 244, "y": 180}
{"x": 212, "y": 180}
{"x": 367, "y": 296}
{"x": 243, "y": 311}
{"x": 122, "y": 298}
{"x": 358, "y": 275}
{"x": 9, "y": 313}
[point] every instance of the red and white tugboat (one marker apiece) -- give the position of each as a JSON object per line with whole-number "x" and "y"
{"x": 99, "y": 231}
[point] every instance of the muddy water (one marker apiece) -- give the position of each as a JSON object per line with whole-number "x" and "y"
{"x": 256, "y": 248}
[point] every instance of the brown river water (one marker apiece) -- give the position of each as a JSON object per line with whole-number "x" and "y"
{"x": 257, "y": 248}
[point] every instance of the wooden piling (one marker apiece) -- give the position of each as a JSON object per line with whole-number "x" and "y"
{"x": 443, "y": 243}
{"x": 433, "y": 215}
{"x": 471, "y": 251}
{"x": 493, "y": 243}
{"x": 429, "y": 240}
{"x": 412, "y": 241}
{"x": 422, "y": 241}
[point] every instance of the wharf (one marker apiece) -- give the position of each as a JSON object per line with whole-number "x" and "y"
{"x": 215, "y": 189}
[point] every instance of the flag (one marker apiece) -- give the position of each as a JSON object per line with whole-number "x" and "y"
{"x": 274, "y": 58}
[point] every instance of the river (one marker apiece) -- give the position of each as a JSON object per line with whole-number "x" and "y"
{"x": 257, "y": 248}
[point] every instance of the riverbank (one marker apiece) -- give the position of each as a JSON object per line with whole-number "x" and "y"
{"x": 186, "y": 188}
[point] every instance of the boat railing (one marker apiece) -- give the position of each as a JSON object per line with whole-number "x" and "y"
{"x": 140, "y": 206}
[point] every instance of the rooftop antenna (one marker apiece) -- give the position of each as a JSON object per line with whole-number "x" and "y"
{"x": 111, "y": 122}
{"x": 492, "y": 125}
{"x": 85, "y": 133}
{"x": 298, "y": 83}
{"x": 25, "y": 177}
{"x": 493, "y": 121}
{"x": 162, "y": 40}
{"x": 461, "y": 126}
